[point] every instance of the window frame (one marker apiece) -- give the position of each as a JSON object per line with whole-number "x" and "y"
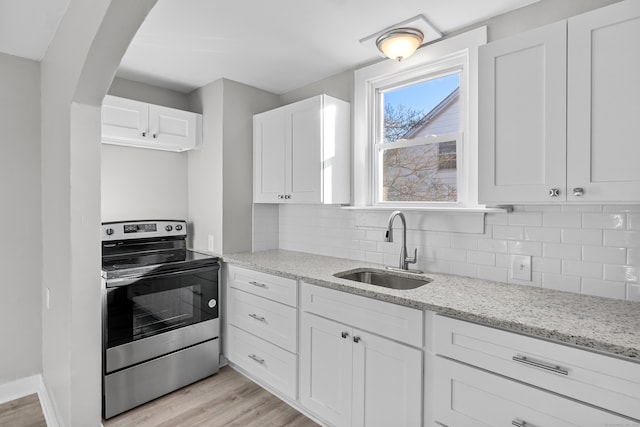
{"x": 428, "y": 72}
{"x": 444, "y": 57}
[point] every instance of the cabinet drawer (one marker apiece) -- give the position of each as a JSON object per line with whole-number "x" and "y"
{"x": 264, "y": 361}
{"x": 466, "y": 396}
{"x": 604, "y": 381}
{"x": 276, "y": 288}
{"x": 269, "y": 320}
{"x": 391, "y": 320}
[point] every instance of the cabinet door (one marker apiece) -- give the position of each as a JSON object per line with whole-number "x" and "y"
{"x": 269, "y": 141}
{"x": 124, "y": 119}
{"x": 603, "y": 92}
{"x": 470, "y": 397}
{"x": 304, "y": 154}
{"x": 171, "y": 127}
{"x": 522, "y": 117}
{"x": 387, "y": 382}
{"x": 326, "y": 352}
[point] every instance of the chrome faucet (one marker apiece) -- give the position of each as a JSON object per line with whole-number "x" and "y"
{"x": 404, "y": 259}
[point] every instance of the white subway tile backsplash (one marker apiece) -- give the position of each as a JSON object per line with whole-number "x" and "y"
{"x": 591, "y": 249}
{"x": 541, "y": 234}
{"x": 491, "y": 245}
{"x": 633, "y": 221}
{"x": 562, "y": 251}
{"x": 604, "y": 220}
{"x": 546, "y": 265}
{"x": 629, "y": 239}
{"x": 563, "y": 219}
{"x": 582, "y": 269}
{"x": 581, "y": 236}
{"x": 604, "y": 254}
{"x": 497, "y": 274}
{"x": 482, "y": 258}
{"x": 561, "y": 283}
{"x": 622, "y": 273}
{"x": 525, "y": 218}
{"x": 525, "y": 248}
{"x": 603, "y": 288}
{"x": 508, "y": 232}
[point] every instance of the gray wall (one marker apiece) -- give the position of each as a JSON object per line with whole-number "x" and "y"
{"x": 21, "y": 249}
{"x": 140, "y": 183}
{"x": 220, "y": 174}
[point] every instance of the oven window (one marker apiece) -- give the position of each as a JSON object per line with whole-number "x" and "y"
{"x": 152, "y": 306}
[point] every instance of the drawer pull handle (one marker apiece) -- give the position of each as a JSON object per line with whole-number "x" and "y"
{"x": 520, "y": 423}
{"x": 258, "y": 284}
{"x": 256, "y": 358}
{"x": 553, "y": 368}
{"x": 258, "y": 318}
{"x": 344, "y": 334}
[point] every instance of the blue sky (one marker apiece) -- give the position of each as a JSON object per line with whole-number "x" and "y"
{"x": 423, "y": 96}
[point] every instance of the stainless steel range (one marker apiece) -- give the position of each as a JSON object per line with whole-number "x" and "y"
{"x": 160, "y": 312}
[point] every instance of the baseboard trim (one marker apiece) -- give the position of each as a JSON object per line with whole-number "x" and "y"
{"x": 26, "y": 386}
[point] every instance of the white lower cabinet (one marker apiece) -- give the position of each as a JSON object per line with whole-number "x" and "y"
{"x": 471, "y": 397}
{"x": 504, "y": 377}
{"x": 352, "y": 377}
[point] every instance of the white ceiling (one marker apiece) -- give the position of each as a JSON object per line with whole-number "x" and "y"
{"x": 275, "y": 45}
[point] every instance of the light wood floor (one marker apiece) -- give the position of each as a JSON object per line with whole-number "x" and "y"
{"x": 225, "y": 399}
{"x": 23, "y": 412}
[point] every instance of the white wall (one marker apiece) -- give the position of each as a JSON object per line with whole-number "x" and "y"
{"x": 220, "y": 179}
{"x": 140, "y": 183}
{"x": 20, "y": 214}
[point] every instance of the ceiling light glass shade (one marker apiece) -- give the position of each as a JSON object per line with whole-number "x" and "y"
{"x": 400, "y": 43}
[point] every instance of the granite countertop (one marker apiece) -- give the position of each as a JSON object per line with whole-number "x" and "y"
{"x": 601, "y": 324}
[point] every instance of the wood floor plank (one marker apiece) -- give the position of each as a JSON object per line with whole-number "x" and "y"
{"x": 225, "y": 399}
{"x": 23, "y": 412}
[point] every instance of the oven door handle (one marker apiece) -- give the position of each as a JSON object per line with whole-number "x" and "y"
{"x": 126, "y": 281}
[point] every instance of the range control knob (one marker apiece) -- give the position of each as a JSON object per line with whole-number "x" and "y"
{"x": 109, "y": 231}
{"x": 179, "y": 227}
{"x": 168, "y": 228}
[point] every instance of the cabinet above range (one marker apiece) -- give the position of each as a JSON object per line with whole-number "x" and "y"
{"x": 301, "y": 153}
{"x": 143, "y": 125}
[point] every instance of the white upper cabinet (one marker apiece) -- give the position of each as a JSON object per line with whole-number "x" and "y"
{"x": 522, "y": 116}
{"x": 557, "y": 108}
{"x": 301, "y": 153}
{"x": 603, "y": 150}
{"x": 138, "y": 124}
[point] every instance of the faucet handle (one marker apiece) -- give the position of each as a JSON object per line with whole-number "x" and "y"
{"x": 414, "y": 259}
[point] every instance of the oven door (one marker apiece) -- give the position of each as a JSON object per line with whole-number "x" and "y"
{"x": 151, "y": 316}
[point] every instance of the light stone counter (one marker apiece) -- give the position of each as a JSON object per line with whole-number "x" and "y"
{"x": 602, "y": 324}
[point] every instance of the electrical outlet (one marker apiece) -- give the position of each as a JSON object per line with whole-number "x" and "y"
{"x": 521, "y": 267}
{"x": 210, "y": 243}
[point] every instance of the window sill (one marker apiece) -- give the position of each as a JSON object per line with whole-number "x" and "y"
{"x": 451, "y": 209}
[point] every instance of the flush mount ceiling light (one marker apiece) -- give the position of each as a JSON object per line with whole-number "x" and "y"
{"x": 400, "y": 43}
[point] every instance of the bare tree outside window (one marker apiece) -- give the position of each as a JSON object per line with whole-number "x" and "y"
{"x": 417, "y": 167}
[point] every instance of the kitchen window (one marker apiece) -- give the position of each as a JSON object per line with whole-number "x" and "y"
{"x": 415, "y": 127}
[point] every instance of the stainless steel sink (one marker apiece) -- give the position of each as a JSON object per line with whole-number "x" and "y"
{"x": 384, "y": 278}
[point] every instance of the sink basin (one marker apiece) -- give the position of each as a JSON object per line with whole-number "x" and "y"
{"x": 386, "y": 279}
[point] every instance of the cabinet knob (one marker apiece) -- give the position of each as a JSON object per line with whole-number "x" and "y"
{"x": 344, "y": 334}
{"x": 144, "y": 134}
{"x": 154, "y": 135}
{"x": 554, "y": 192}
{"x": 287, "y": 196}
{"x": 578, "y": 191}
{"x": 280, "y": 196}
{"x": 356, "y": 339}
